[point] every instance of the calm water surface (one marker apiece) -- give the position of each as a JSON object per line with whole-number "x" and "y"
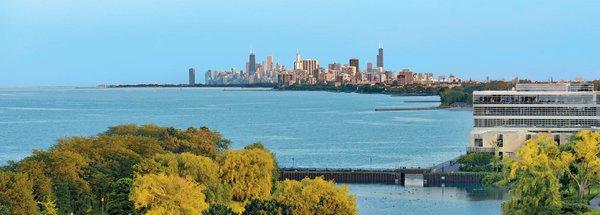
{"x": 304, "y": 129}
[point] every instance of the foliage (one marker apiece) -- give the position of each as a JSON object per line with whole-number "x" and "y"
{"x": 167, "y": 194}
{"x": 275, "y": 174}
{"x": 315, "y": 196}
{"x": 219, "y": 209}
{"x": 117, "y": 199}
{"x": 133, "y": 169}
{"x": 48, "y": 207}
{"x": 583, "y": 161}
{"x": 533, "y": 178}
{"x": 200, "y": 141}
{"x": 574, "y": 208}
{"x": 266, "y": 207}
{"x": 492, "y": 178}
{"x": 454, "y": 95}
{"x": 200, "y": 169}
{"x": 477, "y": 162}
{"x": 16, "y": 194}
{"x": 249, "y": 172}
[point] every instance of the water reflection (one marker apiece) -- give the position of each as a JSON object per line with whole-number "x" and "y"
{"x": 456, "y": 199}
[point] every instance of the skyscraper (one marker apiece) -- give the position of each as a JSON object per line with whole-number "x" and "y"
{"x": 269, "y": 63}
{"x": 355, "y": 64}
{"x": 192, "y": 77}
{"x": 369, "y": 67}
{"x": 298, "y": 61}
{"x": 380, "y": 56}
{"x": 310, "y": 65}
{"x": 252, "y": 64}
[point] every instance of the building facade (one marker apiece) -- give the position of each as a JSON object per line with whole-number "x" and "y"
{"x": 503, "y": 120}
{"x": 380, "y": 57}
{"x": 252, "y": 63}
{"x": 192, "y": 76}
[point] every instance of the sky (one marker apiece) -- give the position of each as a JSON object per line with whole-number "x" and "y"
{"x": 85, "y": 43}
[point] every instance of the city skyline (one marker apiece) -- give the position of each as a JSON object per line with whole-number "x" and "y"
{"x": 89, "y": 43}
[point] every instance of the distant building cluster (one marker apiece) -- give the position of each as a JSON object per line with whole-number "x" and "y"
{"x": 310, "y": 71}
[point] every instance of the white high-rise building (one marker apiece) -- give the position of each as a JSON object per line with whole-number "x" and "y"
{"x": 298, "y": 62}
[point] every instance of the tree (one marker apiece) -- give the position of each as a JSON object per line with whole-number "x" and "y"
{"x": 200, "y": 141}
{"x": 533, "y": 178}
{"x": 117, "y": 199}
{"x": 315, "y": 196}
{"x": 48, "y": 207}
{"x": 219, "y": 209}
{"x": 476, "y": 162}
{"x": 583, "y": 161}
{"x": 249, "y": 172}
{"x": 266, "y": 207}
{"x": 200, "y": 169}
{"x": 275, "y": 174}
{"x": 167, "y": 194}
{"x": 16, "y": 194}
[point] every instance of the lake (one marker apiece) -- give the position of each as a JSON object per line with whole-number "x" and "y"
{"x": 304, "y": 129}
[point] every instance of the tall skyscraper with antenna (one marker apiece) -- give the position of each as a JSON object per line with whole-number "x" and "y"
{"x": 380, "y": 56}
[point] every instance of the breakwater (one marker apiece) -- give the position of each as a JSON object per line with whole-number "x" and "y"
{"x": 408, "y": 109}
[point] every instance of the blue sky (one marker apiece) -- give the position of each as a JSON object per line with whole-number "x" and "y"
{"x": 74, "y": 42}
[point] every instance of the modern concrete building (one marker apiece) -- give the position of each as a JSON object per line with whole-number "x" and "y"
{"x": 503, "y": 120}
{"x": 192, "y": 76}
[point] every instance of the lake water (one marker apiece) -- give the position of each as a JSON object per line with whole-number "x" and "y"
{"x": 304, "y": 129}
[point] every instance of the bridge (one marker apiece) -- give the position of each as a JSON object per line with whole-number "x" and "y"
{"x": 438, "y": 175}
{"x": 350, "y": 175}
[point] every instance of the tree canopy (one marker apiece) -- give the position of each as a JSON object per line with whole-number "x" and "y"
{"x": 316, "y": 196}
{"x": 146, "y": 169}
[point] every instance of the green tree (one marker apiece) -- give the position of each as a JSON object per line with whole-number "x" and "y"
{"x": 117, "y": 200}
{"x": 534, "y": 185}
{"x": 167, "y": 194}
{"x": 219, "y": 209}
{"x": 476, "y": 162}
{"x": 583, "y": 161}
{"x": 266, "y": 207}
{"x": 16, "y": 194}
{"x": 315, "y": 196}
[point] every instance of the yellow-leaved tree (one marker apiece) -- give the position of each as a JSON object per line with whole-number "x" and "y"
{"x": 584, "y": 163}
{"x": 533, "y": 176}
{"x": 249, "y": 173}
{"x": 167, "y": 194}
{"x": 200, "y": 169}
{"x": 316, "y": 196}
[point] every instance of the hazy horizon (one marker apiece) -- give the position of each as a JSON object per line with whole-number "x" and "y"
{"x": 75, "y": 43}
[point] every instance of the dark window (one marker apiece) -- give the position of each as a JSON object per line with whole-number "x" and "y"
{"x": 500, "y": 140}
{"x": 478, "y": 142}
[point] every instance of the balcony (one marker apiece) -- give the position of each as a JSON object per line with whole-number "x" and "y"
{"x": 481, "y": 149}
